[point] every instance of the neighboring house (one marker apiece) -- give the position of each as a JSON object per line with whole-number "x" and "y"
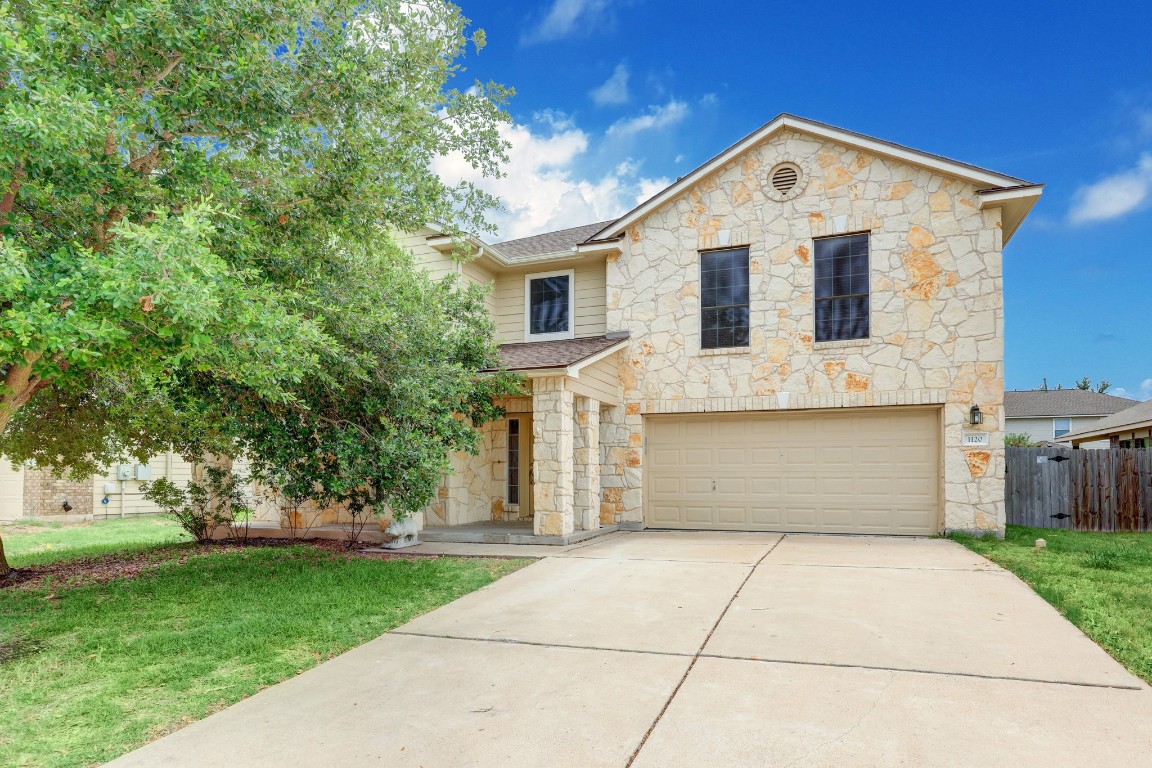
{"x": 30, "y": 493}
{"x": 792, "y": 337}
{"x": 1048, "y": 415}
{"x": 1129, "y": 428}
{"x": 27, "y": 493}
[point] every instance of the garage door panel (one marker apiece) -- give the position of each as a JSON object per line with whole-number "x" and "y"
{"x": 732, "y": 515}
{"x": 870, "y": 470}
{"x": 700, "y": 515}
{"x": 731, "y": 487}
{"x": 763, "y": 487}
{"x": 695, "y": 457}
{"x": 666, "y": 516}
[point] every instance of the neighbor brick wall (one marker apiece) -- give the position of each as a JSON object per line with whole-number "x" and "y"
{"x": 44, "y": 495}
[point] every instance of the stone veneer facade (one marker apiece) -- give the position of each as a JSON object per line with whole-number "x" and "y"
{"x": 937, "y": 318}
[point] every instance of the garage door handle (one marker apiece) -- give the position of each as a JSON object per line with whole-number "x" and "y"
{"x": 713, "y": 485}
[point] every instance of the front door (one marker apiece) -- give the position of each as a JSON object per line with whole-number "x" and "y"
{"x": 518, "y": 493}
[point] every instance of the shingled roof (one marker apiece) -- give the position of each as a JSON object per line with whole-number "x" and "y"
{"x": 554, "y": 354}
{"x": 549, "y": 242}
{"x": 1139, "y": 416}
{"x": 1062, "y": 402}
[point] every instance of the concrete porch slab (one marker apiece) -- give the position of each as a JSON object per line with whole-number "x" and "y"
{"x": 421, "y": 701}
{"x": 659, "y": 607}
{"x": 877, "y": 552}
{"x": 519, "y": 532}
{"x": 826, "y": 717}
{"x": 967, "y": 622}
{"x": 687, "y": 546}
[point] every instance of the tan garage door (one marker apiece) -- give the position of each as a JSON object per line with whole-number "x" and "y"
{"x": 865, "y": 470}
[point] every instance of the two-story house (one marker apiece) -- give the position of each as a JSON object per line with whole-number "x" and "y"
{"x": 806, "y": 333}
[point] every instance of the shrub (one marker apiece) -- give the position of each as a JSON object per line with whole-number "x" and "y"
{"x": 218, "y": 499}
{"x": 1018, "y": 440}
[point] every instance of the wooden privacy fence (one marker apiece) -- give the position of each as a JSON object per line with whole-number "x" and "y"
{"x": 1087, "y": 490}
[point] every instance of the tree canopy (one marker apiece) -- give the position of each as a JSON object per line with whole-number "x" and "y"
{"x": 196, "y": 218}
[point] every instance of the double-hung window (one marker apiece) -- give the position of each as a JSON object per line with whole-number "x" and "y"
{"x": 1061, "y": 427}
{"x": 841, "y": 273}
{"x": 724, "y": 298}
{"x": 548, "y": 305}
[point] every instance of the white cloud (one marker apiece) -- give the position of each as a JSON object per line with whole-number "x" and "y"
{"x": 1143, "y": 392}
{"x": 1114, "y": 195}
{"x": 614, "y": 90}
{"x": 564, "y": 18}
{"x": 660, "y": 116}
{"x": 545, "y": 188}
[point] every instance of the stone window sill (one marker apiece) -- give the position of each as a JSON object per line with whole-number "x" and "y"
{"x": 724, "y": 351}
{"x": 816, "y": 346}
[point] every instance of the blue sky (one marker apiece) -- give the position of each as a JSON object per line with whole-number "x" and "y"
{"x": 616, "y": 99}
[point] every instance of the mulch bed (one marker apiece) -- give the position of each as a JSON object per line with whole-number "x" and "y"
{"x": 106, "y": 568}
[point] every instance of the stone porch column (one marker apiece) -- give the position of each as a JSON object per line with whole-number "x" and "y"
{"x": 552, "y": 454}
{"x": 587, "y": 464}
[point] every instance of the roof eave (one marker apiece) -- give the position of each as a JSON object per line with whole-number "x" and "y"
{"x": 1015, "y": 203}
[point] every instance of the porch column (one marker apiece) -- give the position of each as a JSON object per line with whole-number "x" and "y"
{"x": 587, "y": 464}
{"x": 552, "y": 453}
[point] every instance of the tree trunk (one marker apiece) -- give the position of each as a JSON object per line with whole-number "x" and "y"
{"x": 18, "y": 387}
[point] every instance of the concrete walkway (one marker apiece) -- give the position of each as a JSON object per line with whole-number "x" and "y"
{"x": 658, "y": 650}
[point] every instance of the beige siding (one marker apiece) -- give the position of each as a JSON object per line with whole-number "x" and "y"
{"x": 600, "y": 380}
{"x": 11, "y": 491}
{"x": 441, "y": 265}
{"x": 472, "y": 273}
{"x": 127, "y": 499}
{"x": 438, "y": 264}
{"x": 590, "y": 308}
{"x": 1039, "y": 428}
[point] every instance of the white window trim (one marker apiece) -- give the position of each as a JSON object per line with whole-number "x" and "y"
{"x": 1054, "y": 430}
{"x": 571, "y": 332}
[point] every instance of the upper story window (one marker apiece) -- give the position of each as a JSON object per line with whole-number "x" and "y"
{"x": 841, "y": 272}
{"x": 724, "y": 298}
{"x": 1061, "y": 427}
{"x": 548, "y": 305}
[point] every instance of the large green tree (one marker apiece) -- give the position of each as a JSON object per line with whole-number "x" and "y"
{"x": 196, "y": 203}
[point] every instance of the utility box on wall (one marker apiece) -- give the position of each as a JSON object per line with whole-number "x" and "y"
{"x": 143, "y": 472}
{"x": 124, "y": 472}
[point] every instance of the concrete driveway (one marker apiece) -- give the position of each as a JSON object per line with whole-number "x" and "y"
{"x": 659, "y": 649}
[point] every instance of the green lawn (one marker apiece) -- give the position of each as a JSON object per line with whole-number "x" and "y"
{"x": 1101, "y": 581}
{"x": 38, "y": 543}
{"x": 90, "y": 672}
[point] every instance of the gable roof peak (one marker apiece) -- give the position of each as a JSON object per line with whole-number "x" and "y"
{"x": 1016, "y": 195}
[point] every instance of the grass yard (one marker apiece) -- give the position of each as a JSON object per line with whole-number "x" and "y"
{"x": 39, "y": 543}
{"x": 1101, "y": 581}
{"x": 90, "y": 671}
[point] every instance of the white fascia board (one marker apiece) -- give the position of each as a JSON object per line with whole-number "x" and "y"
{"x": 848, "y": 138}
{"x": 1014, "y": 202}
{"x": 575, "y": 367}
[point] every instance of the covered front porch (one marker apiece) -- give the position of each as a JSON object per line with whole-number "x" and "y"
{"x": 550, "y": 469}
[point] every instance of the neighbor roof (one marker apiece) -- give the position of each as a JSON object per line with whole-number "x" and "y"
{"x": 549, "y": 242}
{"x": 534, "y": 355}
{"x": 1062, "y": 402}
{"x": 1138, "y": 416}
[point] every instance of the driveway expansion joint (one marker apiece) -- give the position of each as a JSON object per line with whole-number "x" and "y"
{"x": 698, "y": 653}
{"x": 889, "y": 567}
{"x": 914, "y": 671}
{"x": 514, "y": 641}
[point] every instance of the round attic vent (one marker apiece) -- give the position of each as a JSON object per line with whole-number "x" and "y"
{"x": 784, "y": 178}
